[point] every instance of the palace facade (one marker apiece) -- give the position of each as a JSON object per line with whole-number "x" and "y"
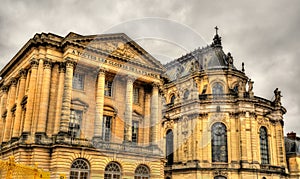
{"x": 100, "y": 106}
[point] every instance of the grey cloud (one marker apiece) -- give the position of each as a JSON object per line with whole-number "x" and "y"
{"x": 263, "y": 34}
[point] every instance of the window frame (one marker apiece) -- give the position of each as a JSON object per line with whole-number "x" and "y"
{"x": 136, "y": 95}
{"x": 142, "y": 168}
{"x": 108, "y": 88}
{"x": 133, "y": 128}
{"x": 264, "y": 145}
{"x": 78, "y": 84}
{"x": 219, "y": 142}
{"x": 113, "y": 174}
{"x": 107, "y": 132}
{"x": 218, "y": 89}
{"x": 75, "y": 127}
{"x": 77, "y": 171}
{"x": 170, "y": 148}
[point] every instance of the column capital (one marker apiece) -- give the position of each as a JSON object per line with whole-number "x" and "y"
{"x": 70, "y": 62}
{"x": 13, "y": 81}
{"x": 34, "y": 63}
{"x": 4, "y": 88}
{"x": 155, "y": 85}
{"x": 62, "y": 67}
{"x": 47, "y": 63}
{"x": 101, "y": 70}
{"x": 22, "y": 73}
{"x": 129, "y": 78}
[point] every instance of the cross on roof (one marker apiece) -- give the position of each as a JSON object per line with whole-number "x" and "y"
{"x": 216, "y": 30}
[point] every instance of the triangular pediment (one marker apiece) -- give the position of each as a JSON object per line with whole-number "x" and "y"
{"x": 116, "y": 45}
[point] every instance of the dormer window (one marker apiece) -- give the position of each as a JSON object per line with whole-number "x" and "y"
{"x": 172, "y": 99}
{"x": 217, "y": 89}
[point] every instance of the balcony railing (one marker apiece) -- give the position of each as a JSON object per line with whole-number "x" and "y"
{"x": 128, "y": 147}
{"x": 216, "y": 96}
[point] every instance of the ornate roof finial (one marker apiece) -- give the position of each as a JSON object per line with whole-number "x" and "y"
{"x": 217, "y": 39}
{"x": 243, "y": 67}
{"x": 216, "y": 30}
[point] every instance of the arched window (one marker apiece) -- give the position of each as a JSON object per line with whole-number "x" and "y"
{"x": 217, "y": 89}
{"x": 186, "y": 94}
{"x": 219, "y": 177}
{"x": 264, "y": 149}
{"x": 169, "y": 147}
{"x": 112, "y": 171}
{"x": 219, "y": 142}
{"x": 80, "y": 169}
{"x": 172, "y": 99}
{"x": 142, "y": 172}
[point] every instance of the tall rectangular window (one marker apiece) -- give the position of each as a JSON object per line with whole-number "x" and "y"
{"x": 136, "y": 95}
{"x": 78, "y": 81}
{"x": 135, "y": 131}
{"x": 74, "y": 124}
{"x": 107, "y": 128}
{"x": 108, "y": 88}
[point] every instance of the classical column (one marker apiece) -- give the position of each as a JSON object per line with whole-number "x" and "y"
{"x": 128, "y": 109}
{"x": 147, "y": 118}
{"x": 60, "y": 91}
{"x": 99, "y": 103}
{"x": 10, "y": 104}
{"x": 66, "y": 102}
{"x": 44, "y": 101}
{"x": 37, "y": 101}
{"x": 21, "y": 93}
{"x": 2, "y": 109}
{"x": 31, "y": 94}
{"x": 154, "y": 113}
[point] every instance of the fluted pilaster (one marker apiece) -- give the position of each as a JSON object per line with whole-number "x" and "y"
{"x": 60, "y": 91}
{"x": 128, "y": 109}
{"x": 31, "y": 97}
{"x": 45, "y": 94}
{"x": 2, "y": 110}
{"x": 99, "y": 103}
{"x": 66, "y": 102}
{"x": 11, "y": 102}
{"x": 21, "y": 93}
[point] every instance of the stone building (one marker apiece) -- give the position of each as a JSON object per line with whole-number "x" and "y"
{"x": 214, "y": 125}
{"x": 83, "y": 107}
{"x": 292, "y": 146}
{"x": 101, "y": 107}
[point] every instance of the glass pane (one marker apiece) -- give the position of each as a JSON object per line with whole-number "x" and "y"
{"x": 219, "y": 142}
{"x": 107, "y": 176}
{"x": 74, "y": 124}
{"x": 78, "y": 81}
{"x": 218, "y": 89}
{"x": 135, "y": 129}
{"x": 74, "y": 175}
{"x": 264, "y": 151}
{"x": 108, "y": 88}
{"x": 136, "y": 95}
{"x": 107, "y": 127}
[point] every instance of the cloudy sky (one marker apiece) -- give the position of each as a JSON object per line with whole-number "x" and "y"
{"x": 262, "y": 34}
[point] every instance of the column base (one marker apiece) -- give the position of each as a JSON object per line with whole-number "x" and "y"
{"x": 39, "y": 137}
{"x": 61, "y": 136}
{"x": 14, "y": 139}
{"x": 25, "y": 137}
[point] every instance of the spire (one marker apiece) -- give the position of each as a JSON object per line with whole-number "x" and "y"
{"x": 217, "y": 39}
